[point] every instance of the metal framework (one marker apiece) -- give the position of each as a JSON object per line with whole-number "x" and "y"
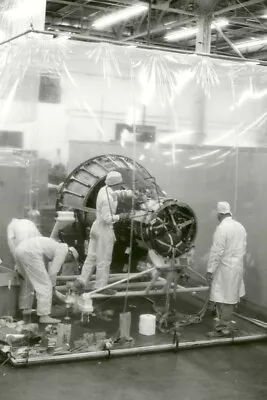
{"x": 245, "y": 21}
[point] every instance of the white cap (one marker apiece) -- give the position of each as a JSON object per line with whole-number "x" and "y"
{"x": 74, "y": 252}
{"x": 113, "y": 178}
{"x": 223, "y": 207}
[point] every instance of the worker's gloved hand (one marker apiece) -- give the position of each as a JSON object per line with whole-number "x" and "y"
{"x": 209, "y": 277}
{"x": 124, "y": 216}
{"x": 77, "y": 286}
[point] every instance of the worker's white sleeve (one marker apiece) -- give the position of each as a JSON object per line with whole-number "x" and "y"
{"x": 217, "y": 250}
{"x": 106, "y": 214}
{"x": 57, "y": 263}
{"x": 11, "y": 239}
{"x": 245, "y": 246}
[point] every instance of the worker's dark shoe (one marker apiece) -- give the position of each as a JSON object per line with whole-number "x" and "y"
{"x": 108, "y": 292}
{"x": 217, "y": 334}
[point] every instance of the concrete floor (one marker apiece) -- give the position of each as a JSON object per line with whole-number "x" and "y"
{"x": 220, "y": 373}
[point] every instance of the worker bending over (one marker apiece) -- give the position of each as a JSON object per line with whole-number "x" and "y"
{"x": 19, "y": 230}
{"x": 39, "y": 260}
{"x": 102, "y": 236}
{"x": 225, "y": 268}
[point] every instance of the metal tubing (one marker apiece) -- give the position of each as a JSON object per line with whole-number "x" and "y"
{"x": 135, "y": 350}
{"x": 138, "y": 275}
{"x": 236, "y": 6}
{"x": 152, "y": 292}
{"x": 254, "y": 321}
{"x": 67, "y": 278}
{"x": 132, "y": 285}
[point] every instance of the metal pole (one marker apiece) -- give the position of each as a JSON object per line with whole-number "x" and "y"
{"x": 141, "y": 293}
{"x": 67, "y": 278}
{"x": 236, "y": 50}
{"x": 19, "y": 362}
{"x": 139, "y": 274}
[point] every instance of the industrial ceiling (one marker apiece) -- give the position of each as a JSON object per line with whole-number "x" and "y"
{"x": 246, "y": 21}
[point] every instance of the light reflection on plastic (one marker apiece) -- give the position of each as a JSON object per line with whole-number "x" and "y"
{"x": 257, "y": 123}
{"x": 225, "y": 154}
{"x": 171, "y": 163}
{"x": 103, "y": 55}
{"x": 215, "y": 164}
{"x": 172, "y": 137}
{"x": 194, "y": 165}
{"x": 249, "y": 94}
{"x": 210, "y": 153}
{"x": 206, "y": 75}
{"x": 222, "y": 137}
{"x": 23, "y": 8}
{"x": 159, "y": 74}
{"x": 168, "y": 153}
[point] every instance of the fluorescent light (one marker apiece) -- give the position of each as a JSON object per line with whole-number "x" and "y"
{"x": 251, "y": 43}
{"x": 181, "y": 34}
{"x": 221, "y": 23}
{"x": 121, "y": 15}
{"x": 189, "y": 32}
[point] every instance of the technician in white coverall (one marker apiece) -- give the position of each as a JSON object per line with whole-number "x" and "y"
{"x": 39, "y": 260}
{"x": 102, "y": 236}
{"x": 225, "y": 268}
{"x": 19, "y": 230}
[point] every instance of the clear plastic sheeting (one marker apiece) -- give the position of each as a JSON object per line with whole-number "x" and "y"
{"x": 195, "y": 124}
{"x": 18, "y": 16}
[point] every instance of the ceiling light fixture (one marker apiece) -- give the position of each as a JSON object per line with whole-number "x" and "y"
{"x": 189, "y": 32}
{"x": 251, "y": 43}
{"x": 121, "y": 15}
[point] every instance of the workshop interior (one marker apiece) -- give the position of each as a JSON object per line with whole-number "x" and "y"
{"x": 185, "y": 131}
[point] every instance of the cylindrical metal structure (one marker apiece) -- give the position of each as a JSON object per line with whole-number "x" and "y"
{"x": 160, "y": 223}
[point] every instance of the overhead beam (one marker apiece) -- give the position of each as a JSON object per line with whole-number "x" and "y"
{"x": 154, "y": 6}
{"x": 74, "y": 6}
{"x": 237, "y": 6}
{"x": 68, "y": 3}
{"x": 159, "y": 29}
{"x": 249, "y": 24}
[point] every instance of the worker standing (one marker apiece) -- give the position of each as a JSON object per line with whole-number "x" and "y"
{"x": 102, "y": 236}
{"x": 19, "y": 230}
{"x": 39, "y": 260}
{"x": 225, "y": 268}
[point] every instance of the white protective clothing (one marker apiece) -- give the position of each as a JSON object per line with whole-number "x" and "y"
{"x": 32, "y": 256}
{"x": 113, "y": 178}
{"x": 223, "y": 207}
{"x": 102, "y": 237}
{"x": 19, "y": 230}
{"x": 226, "y": 262}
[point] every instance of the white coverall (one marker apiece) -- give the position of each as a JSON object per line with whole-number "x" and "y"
{"x": 226, "y": 262}
{"x": 102, "y": 237}
{"x": 19, "y": 230}
{"x": 32, "y": 256}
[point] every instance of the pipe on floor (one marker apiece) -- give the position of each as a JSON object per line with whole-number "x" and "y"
{"x": 112, "y": 277}
{"x": 141, "y": 293}
{"x": 19, "y": 362}
{"x": 132, "y": 285}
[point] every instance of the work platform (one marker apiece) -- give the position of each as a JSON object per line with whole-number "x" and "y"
{"x": 185, "y": 337}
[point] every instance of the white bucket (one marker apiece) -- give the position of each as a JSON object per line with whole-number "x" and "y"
{"x": 147, "y": 324}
